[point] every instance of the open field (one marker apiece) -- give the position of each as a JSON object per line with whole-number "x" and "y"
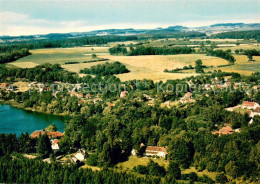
{"x": 141, "y": 67}
{"x": 152, "y": 67}
{"x": 244, "y": 47}
{"x": 25, "y": 64}
{"x": 242, "y": 65}
{"x": 59, "y": 55}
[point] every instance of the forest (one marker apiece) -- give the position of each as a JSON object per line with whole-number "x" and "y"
{"x": 106, "y": 69}
{"x": 12, "y": 55}
{"x": 255, "y": 34}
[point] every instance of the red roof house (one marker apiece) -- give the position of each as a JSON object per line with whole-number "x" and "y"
{"x": 249, "y": 105}
{"x": 155, "y": 151}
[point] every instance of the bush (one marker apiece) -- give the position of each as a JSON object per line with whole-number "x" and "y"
{"x": 221, "y": 178}
{"x": 92, "y": 160}
{"x": 193, "y": 176}
{"x": 140, "y": 169}
{"x": 174, "y": 170}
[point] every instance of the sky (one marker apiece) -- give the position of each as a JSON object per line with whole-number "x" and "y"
{"x": 27, "y": 17}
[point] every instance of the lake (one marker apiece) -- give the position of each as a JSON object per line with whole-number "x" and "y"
{"x": 13, "y": 120}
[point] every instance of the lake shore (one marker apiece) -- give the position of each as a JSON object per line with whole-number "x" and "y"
{"x": 17, "y": 105}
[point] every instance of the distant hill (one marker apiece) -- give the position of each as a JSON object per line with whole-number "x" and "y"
{"x": 171, "y": 31}
{"x": 228, "y": 24}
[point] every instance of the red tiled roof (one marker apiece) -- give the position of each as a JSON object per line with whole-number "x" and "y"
{"x": 248, "y": 104}
{"x": 3, "y": 84}
{"x": 50, "y": 134}
{"x": 152, "y": 149}
{"x": 188, "y": 95}
{"x": 224, "y": 131}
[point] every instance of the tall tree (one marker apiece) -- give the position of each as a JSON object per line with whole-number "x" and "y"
{"x": 44, "y": 146}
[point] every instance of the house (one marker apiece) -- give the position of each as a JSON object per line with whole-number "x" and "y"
{"x": 80, "y": 155}
{"x": 133, "y": 152}
{"x": 256, "y": 87}
{"x": 55, "y": 145}
{"x": 3, "y": 85}
{"x": 88, "y": 96}
{"x": 51, "y": 135}
{"x": 256, "y": 111}
{"x": 95, "y": 100}
{"x": 123, "y": 94}
{"x": 249, "y": 105}
{"x": 224, "y": 131}
{"x": 147, "y": 97}
{"x": 155, "y": 151}
{"x": 186, "y": 98}
{"x": 227, "y": 84}
{"x": 78, "y": 95}
{"x": 208, "y": 87}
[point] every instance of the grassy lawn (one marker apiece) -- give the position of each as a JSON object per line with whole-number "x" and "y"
{"x": 135, "y": 161}
{"x": 212, "y": 175}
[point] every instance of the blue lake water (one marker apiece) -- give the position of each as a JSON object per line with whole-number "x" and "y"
{"x": 13, "y": 120}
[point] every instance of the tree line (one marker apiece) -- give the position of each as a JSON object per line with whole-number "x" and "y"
{"x": 253, "y": 34}
{"x": 222, "y": 54}
{"x": 106, "y": 69}
{"x": 12, "y": 55}
{"x": 71, "y": 42}
{"x": 141, "y": 50}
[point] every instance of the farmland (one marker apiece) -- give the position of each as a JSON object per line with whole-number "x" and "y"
{"x": 144, "y": 67}
{"x": 60, "y": 55}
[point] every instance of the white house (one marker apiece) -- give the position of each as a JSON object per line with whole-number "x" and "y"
{"x": 133, "y": 152}
{"x": 55, "y": 145}
{"x": 155, "y": 151}
{"x": 123, "y": 94}
{"x": 80, "y": 155}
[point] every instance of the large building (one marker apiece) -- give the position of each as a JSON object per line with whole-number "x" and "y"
{"x": 51, "y": 135}
{"x": 155, "y": 151}
{"x": 249, "y": 105}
